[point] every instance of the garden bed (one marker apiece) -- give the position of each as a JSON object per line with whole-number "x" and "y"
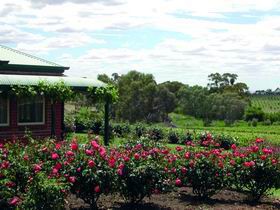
{"x": 182, "y": 199}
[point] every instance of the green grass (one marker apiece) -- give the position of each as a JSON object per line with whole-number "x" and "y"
{"x": 240, "y": 129}
{"x": 269, "y": 104}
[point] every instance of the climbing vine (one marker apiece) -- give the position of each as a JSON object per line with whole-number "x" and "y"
{"x": 107, "y": 93}
{"x": 58, "y": 91}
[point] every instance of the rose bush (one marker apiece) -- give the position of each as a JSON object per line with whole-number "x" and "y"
{"x": 40, "y": 175}
{"x": 140, "y": 172}
{"x": 255, "y": 170}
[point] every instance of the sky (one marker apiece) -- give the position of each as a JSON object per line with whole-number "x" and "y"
{"x": 175, "y": 40}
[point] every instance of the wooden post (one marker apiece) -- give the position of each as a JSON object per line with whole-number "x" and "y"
{"x": 106, "y": 122}
{"x": 52, "y": 119}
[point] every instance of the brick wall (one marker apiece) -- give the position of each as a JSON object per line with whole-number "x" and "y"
{"x": 37, "y": 131}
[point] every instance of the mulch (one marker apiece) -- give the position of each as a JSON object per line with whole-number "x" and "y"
{"x": 182, "y": 199}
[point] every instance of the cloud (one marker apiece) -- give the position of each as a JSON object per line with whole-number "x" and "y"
{"x": 190, "y": 38}
{"x": 43, "y": 3}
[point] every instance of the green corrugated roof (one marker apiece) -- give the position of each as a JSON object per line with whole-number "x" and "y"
{"x": 21, "y": 58}
{"x": 34, "y": 80}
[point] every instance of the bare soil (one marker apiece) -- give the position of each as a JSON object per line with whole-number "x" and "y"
{"x": 182, "y": 199}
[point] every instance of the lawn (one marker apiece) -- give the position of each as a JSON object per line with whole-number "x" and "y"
{"x": 240, "y": 129}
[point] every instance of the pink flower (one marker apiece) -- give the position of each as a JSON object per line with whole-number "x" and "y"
{"x": 74, "y": 146}
{"x": 72, "y": 179}
{"x": 220, "y": 164}
{"x": 97, "y": 189}
{"x": 249, "y": 164}
{"x": 14, "y": 201}
{"x": 274, "y": 161}
{"x": 10, "y": 184}
{"x": 263, "y": 157}
{"x": 267, "y": 151}
{"x": 37, "y": 168}
{"x": 232, "y": 162}
{"x": 126, "y": 159}
{"x": 91, "y": 163}
{"x": 25, "y": 157}
{"x": 120, "y": 172}
{"x": 54, "y": 156}
{"x": 187, "y": 155}
{"x": 58, "y": 166}
{"x": 57, "y": 146}
{"x": 5, "y": 164}
{"x": 198, "y": 155}
{"x": 178, "y": 182}
{"x": 112, "y": 162}
{"x": 255, "y": 148}
{"x": 178, "y": 148}
{"x": 259, "y": 140}
{"x": 233, "y": 147}
{"x": 102, "y": 151}
{"x": 89, "y": 152}
{"x": 136, "y": 156}
{"x": 54, "y": 170}
{"x": 69, "y": 153}
{"x": 184, "y": 170}
{"x": 94, "y": 144}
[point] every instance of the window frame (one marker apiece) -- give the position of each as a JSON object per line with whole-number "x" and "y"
{"x": 32, "y": 123}
{"x": 8, "y": 115}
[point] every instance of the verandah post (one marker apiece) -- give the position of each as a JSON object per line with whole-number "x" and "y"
{"x": 106, "y": 121}
{"x": 52, "y": 119}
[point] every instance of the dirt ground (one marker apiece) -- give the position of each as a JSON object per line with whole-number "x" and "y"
{"x": 183, "y": 199}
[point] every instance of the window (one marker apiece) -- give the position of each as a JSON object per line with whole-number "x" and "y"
{"x": 31, "y": 111}
{"x": 4, "y": 111}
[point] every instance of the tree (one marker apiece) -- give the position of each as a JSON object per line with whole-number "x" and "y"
{"x": 137, "y": 93}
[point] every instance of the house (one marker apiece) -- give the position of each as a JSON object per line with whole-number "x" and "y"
{"x": 21, "y": 114}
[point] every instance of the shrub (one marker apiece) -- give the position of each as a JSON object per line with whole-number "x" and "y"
{"x": 69, "y": 123}
{"x": 121, "y": 130}
{"x": 207, "y": 176}
{"x": 155, "y": 134}
{"x": 255, "y": 171}
{"x": 140, "y": 130}
{"x": 89, "y": 172}
{"x": 226, "y": 141}
{"x": 254, "y": 122}
{"x": 96, "y": 126}
{"x": 254, "y": 112}
{"x": 173, "y": 137}
{"x": 44, "y": 192}
{"x": 141, "y": 173}
{"x": 267, "y": 122}
{"x": 187, "y": 137}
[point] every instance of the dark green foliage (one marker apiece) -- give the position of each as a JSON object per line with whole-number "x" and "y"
{"x": 121, "y": 129}
{"x": 186, "y": 137}
{"x": 226, "y": 141}
{"x": 140, "y": 130}
{"x": 44, "y": 193}
{"x": 254, "y": 122}
{"x": 253, "y": 112}
{"x": 155, "y": 133}
{"x": 173, "y": 137}
{"x": 96, "y": 126}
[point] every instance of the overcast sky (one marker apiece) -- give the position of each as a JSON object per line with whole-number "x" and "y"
{"x": 172, "y": 39}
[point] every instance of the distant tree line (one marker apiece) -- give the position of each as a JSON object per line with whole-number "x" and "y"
{"x": 142, "y": 99}
{"x": 268, "y": 92}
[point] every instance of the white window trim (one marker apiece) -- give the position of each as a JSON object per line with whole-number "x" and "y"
{"x": 33, "y": 123}
{"x": 8, "y": 115}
